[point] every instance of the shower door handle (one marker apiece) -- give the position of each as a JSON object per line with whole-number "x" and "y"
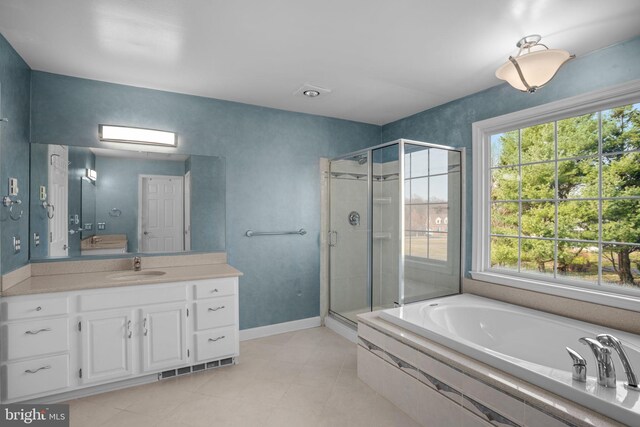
{"x": 333, "y": 238}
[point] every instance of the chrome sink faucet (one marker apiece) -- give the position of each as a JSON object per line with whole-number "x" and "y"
{"x": 137, "y": 263}
{"x": 613, "y": 342}
{"x": 604, "y": 362}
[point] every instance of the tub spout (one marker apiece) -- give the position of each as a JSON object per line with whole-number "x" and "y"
{"x": 604, "y": 362}
{"x": 579, "y": 371}
{"x": 613, "y": 342}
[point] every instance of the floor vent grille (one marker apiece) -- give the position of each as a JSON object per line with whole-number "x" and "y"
{"x": 196, "y": 368}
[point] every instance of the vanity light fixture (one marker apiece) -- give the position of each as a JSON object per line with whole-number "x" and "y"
{"x": 534, "y": 65}
{"x": 91, "y": 175}
{"x": 131, "y": 135}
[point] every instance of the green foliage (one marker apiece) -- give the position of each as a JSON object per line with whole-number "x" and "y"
{"x": 578, "y": 177}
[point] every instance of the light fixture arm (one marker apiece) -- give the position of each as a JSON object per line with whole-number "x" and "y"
{"x": 519, "y": 70}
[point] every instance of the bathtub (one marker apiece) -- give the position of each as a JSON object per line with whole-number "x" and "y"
{"x": 525, "y": 343}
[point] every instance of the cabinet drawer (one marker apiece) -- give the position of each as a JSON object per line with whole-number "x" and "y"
{"x": 36, "y": 307}
{"x": 216, "y": 287}
{"x": 215, "y": 312}
{"x": 36, "y": 376}
{"x": 217, "y": 343}
{"x": 38, "y": 337}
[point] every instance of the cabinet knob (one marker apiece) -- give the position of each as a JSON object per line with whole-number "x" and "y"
{"x": 38, "y": 308}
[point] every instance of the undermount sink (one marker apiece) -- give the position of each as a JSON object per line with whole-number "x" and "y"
{"x": 137, "y": 275}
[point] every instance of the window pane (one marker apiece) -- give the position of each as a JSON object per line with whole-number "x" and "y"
{"x": 407, "y": 190}
{"x": 407, "y": 217}
{"x": 620, "y": 265}
{"x": 578, "y": 136}
{"x": 504, "y": 218}
{"x": 504, "y": 253}
{"x": 438, "y": 246}
{"x": 578, "y": 178}
{"x": 504, "y": 149}
{"x": 621, "y": 221}
{"x": 419, "y": 244}
{"x": 407, "y": 165}
{"x": 419, "y": 162}
{"x": 439, "y": 188}
{"x": 438, "y": 161}
{"x": 419, "y": 217}
{"x": 578, "y": 260}
{"x": 578, "y": 220}
{"x": 620, "y": 129}
{"x": 438, "y": 217}
{"x": 538, "y": 143}
{"x": 537, "y": 256}
{"x": 505, "y": 184}
{"x": 538, "y": 181}
{"x": 538, "y": 219}
{"x": 420, "y": 190}
{"x": 407, "y": 243}
{"x": 621, "y": 175}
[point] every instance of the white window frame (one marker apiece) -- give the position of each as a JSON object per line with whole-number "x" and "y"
{"x": 481, "y": 133}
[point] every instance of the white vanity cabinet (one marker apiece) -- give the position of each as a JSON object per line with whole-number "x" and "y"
{"x": 56, "y": 344}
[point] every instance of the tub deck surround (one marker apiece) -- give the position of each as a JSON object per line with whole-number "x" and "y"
{"x": 95, "y": 274}
{"x": 389, "y": 354}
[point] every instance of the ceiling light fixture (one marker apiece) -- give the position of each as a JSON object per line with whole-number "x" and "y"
{"x": 531, "y": 69}
{"x": 311, "y": 93}
{"x": 110, "y": 133}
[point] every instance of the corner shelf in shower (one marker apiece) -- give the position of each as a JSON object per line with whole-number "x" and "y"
{"x": 382, "y": 200}
{"x": 382, "y": 236}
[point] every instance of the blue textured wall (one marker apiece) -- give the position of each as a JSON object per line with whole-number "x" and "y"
{"x": 450, "y": 124}
{"x": 208, "y": 198}
{"x": 14, "y": 152}
{"x": 273, "y": 179}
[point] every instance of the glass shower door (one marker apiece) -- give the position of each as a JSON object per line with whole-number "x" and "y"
{"x": 349, "y": 292}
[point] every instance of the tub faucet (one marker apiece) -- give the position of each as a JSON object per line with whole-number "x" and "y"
{"x": 579, "y": 371}
{"x": 604, "y": 362}
{"x": 137, "y": 263}
{"x": 613, "y": 342}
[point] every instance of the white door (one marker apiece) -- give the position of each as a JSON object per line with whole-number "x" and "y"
{"x": 107, "y": 346}
{"x": 164, "y": 337}
{"x": 161, "y": 214}
{"x": 58, "y": 196}
{"x": 187, "y": 211}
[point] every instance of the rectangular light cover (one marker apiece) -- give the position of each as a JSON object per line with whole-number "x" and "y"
{"x": 131, "y": 135}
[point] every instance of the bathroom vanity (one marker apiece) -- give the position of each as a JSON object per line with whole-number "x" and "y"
{"x": 68, "y": 335}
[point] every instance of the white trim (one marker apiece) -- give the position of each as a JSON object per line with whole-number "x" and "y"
{"x": 279, "y": 328}
{"x": 341, "y": 329}
{"x": 481, "y": 131}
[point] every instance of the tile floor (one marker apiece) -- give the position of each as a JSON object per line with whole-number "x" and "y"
{"x": 304, "y": 378}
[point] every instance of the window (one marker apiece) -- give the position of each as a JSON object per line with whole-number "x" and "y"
{"x": 430, "y": 175}
{"x": 561, "y": 198}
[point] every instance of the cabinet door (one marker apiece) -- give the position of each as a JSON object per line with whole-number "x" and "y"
{"x": 164, "y": 333}
{"x": 106, "y": 346}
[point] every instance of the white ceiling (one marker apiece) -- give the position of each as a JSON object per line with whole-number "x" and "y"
{"x": 383, "y": 60}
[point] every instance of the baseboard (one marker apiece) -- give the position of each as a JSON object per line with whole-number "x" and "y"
{"x": 341, "y": 329}
{"x": 279, "y": 328}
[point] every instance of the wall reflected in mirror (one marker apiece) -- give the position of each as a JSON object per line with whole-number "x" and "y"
{"x": 105, "y": 202}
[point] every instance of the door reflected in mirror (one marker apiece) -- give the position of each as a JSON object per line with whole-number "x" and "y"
{"x": 95, "y": 201}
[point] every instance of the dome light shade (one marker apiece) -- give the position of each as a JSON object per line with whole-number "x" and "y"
{"x": 532, "y": 69}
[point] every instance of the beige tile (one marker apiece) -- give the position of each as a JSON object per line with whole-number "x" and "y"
{"x": 281, "y": 371}
{"x": 157, "y": 400}
{"x": 436, "y": 410}
{"x": 204, "y": 411}
{"x": 224, "y": 384}
{"x": 283, "y": 417}
{"x": 279, "y": 339}
{"x": 500, "y": 402}
{"x": 372, "y": 336}
{"x": 305, "y": 398}
{"x": 264, "y": 392}
{"x": 82, "y": 410}
{"x": 130, "y": 419}
{"x": 295, "y": 354}
{"x": 535, "y": 418}
{"x": 468, "y": 419}
{"x": 317, "y": 376}
{"x": 118, "y": 399}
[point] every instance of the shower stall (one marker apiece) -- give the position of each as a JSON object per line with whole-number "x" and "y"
{"x": 395, "y": 229}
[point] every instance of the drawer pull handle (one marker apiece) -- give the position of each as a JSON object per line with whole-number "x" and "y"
{"x": 129, "y": 329}
{"x": 29, "y": 371}
{"x": 216, "y": 339}
{"x": 217, "y": 308}
{"x": 38, "y": 331}
{"x": 38, "y": 308}
{"x": 214, "y": 291}
{"x": 146, "y": 331}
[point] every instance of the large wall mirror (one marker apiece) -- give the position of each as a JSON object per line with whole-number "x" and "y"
{"x": 105, "y": 202}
